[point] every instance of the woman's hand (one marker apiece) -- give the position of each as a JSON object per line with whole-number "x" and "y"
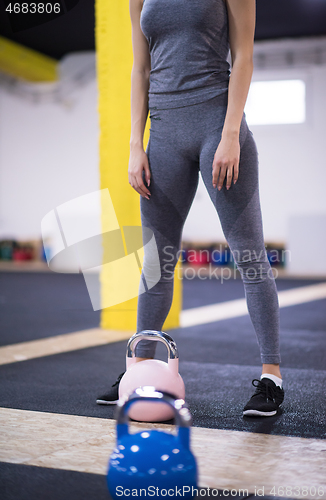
{"x": 226, "y": 161}
{"x": 138, "y": 161}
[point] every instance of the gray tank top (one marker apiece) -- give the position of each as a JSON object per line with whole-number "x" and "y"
{"x": 188, "y": 44}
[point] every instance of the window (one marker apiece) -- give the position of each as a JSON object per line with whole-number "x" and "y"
{"x": 276, "y": 102}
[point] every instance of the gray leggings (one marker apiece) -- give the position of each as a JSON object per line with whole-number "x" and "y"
{"x": 183, "y": 141}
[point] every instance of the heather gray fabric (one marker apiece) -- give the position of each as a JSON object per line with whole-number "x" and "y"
{"x": 182, "y": 143}
{"x": 188, "y": 44}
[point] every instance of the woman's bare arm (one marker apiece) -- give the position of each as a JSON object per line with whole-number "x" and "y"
{"x": 241, "y": 14}
{"x": 138, "y": 160}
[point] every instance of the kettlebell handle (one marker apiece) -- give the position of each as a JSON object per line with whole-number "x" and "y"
{"x": 153, "y": 335}
{"x": 149, "y": 393}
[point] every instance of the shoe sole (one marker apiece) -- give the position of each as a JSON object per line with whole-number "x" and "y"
{"x": 259, "y": 413}
{"x": 103, "y": 402}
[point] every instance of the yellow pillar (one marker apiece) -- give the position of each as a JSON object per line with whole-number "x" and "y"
{"x": 25, "y": 63}
{"x": 114, "y": 60}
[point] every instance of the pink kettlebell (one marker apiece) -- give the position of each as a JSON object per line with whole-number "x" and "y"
{"x": 152, "y": 372}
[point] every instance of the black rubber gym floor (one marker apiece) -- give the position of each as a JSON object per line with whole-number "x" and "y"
{"x": 217, "y": 362}
{"x": 38, "y": 305}
{"x": 52, "y": 484}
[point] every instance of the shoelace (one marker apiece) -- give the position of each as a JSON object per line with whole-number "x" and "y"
{"x": 118, "y": 379}
{"x": 267, "y": 390}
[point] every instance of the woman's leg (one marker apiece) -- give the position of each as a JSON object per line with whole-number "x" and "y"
{"x": 174, "y": 179}
{"x": 241, "y": 219}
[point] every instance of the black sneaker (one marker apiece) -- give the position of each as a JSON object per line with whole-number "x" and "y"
{"x": 112, "y": 396}
{"x": 266, "y": 400}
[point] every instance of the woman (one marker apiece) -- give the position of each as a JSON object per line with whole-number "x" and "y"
{"x": 181, "y": 75}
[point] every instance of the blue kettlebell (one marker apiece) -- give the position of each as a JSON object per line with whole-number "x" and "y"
{"x": 152, "y": 460}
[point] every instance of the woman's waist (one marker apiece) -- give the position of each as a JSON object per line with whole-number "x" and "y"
{"x": 186, "y": 96}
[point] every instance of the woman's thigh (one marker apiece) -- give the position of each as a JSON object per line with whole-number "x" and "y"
{"x": 174, "y": 176}
{"x": 239, "y": 207}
